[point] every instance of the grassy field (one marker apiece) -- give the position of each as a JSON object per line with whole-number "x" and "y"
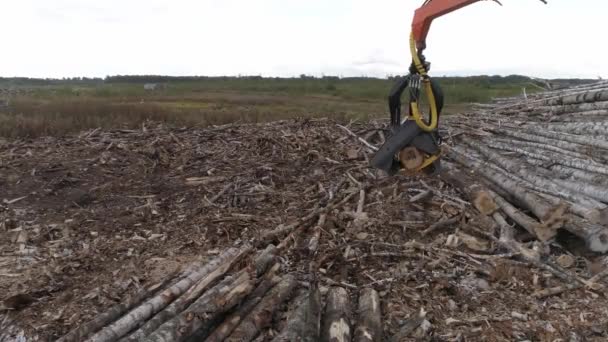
{"x": 54, "y": 107}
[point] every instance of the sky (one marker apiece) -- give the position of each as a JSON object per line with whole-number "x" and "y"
{"x": 96, "y": 38}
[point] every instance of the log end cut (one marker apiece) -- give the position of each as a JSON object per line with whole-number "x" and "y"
{"x": 484, "y": 203}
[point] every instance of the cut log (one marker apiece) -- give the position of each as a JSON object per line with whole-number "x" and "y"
{"x": 517, "y": 133}
{"x": 195, "y": 292}
{"x": 533, "y": 149}
{"x": 82, "y": 332}
{"x": 141, "y": 313}
{"x": 261, "y": 316}
{"x": 205, "y": 311}
{"x": 528, "y": 173}
{"x": 304, "y": 324}
{"x": 369, "y": 322}
{"x": 474, "y": 191}
{"x": 231, "y": 322}
{"x": 336, "y": 320}
{"x": 583, "y": 97}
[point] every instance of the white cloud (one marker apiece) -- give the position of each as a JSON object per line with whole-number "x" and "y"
{"x": 290, "y": 37}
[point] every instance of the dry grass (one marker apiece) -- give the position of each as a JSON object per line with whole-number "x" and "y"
{"x": 30, "y": 117}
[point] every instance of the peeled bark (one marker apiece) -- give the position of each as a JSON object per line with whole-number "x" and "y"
{"x": 304, "y": 324}
{"x": 336, "y": 320}
{"x": 203, "y": 313}
{"x": 140, "y": 314}
{"x": 369, "y": 323}
{"x": 231, "y": 322}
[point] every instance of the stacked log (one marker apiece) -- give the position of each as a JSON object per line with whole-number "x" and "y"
{"x": 218, "y": 301}
{"x": 544, "y": 158}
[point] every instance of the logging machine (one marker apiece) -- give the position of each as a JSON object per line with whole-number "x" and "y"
{"x": 414, "y": 145}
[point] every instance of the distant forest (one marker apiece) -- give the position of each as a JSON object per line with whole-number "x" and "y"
{"x": 140, "y": 79}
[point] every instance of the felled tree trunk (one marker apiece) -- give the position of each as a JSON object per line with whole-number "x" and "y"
{"x": 140, "y": 314}
{"x": 304, "y": 323}
{"x": 83, "y": 331}
{"x": 476, "y": 193}
{"x": 369, "y": 323}
{"x": 185, "y": 300}
{"x": 261, "y": 316}
{"x": 230, "y": 323}
{"x": 526, "y": 172}
{"x": 336, "y": 320}
{"x": 203, "y": 313}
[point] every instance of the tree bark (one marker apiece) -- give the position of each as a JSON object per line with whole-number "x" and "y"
{"x": 526, "y": 172}
{"x": 191, "y": 295}
{"x": 369, "y": 323}
{"x": 140, "y": 314}
{"x": 205, "y": 311}
{"x": 336, "y": 320}
{"x": 84, "y": 331}
{"x": 475, "y": 192}
{"x": 583, "y": 97}
{"x": 304, "y": 324}
{"x": 525, "y": 147}
{"x": 230, "y": 323}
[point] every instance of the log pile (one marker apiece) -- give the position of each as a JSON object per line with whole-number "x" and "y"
{"x": 544, "y": 159}
{"x": 235, "y": 297}
{"x": 297, "y": 239}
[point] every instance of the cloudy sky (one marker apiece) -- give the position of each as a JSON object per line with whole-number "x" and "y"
{"x": 67, "y": 38}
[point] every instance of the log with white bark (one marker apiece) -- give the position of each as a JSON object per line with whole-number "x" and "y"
{"x": 551, "y": 211}
{"x": 154, "y": 305}
{"x": 224, "y": 330}
{"x": 336, "y": 319}
{"x": 261, "y": 263}
{"x": 203, "y": 314}
{"x": 83, "y": 331}
{"x": 261, "y": 315}
{"x": 369, "y": 321}
{"x": 530, "y": 174}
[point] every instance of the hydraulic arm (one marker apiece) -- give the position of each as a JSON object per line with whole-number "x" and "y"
{"x": 413, "y": 145}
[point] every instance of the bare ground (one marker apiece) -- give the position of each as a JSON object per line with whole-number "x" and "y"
{"x": 86, "y": 220}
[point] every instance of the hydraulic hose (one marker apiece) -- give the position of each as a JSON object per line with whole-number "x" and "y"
{"x": 426, "y": 81}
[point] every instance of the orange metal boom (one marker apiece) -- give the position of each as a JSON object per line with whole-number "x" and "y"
{"x": 429, "y": 11}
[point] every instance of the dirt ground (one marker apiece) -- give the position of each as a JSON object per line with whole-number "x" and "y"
{"x": 86, "y": 220}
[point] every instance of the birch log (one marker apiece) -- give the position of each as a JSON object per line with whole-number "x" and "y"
{"x": 140, "y": 314}
{"x": 203, "y": 313}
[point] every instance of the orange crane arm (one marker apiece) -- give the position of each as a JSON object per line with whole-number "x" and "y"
{"x": 429, "y": 11}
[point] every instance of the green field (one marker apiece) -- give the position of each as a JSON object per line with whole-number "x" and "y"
{"x": 39, "y": 107}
